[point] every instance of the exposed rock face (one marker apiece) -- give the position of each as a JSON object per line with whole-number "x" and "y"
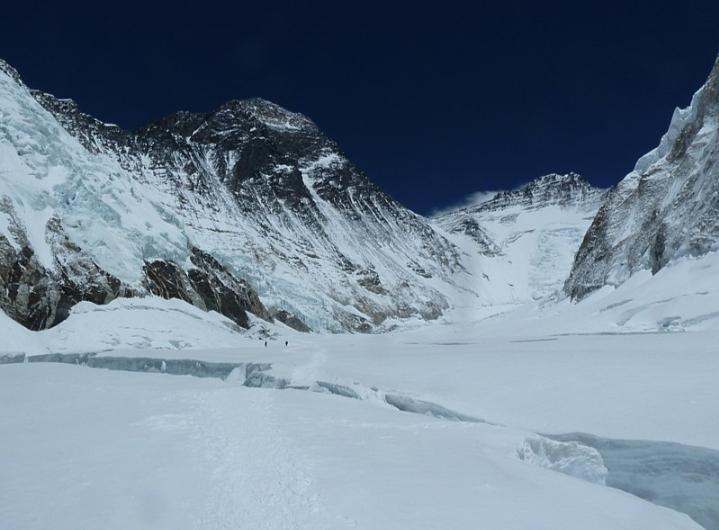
{"x": 666, "y": 208}
{"x": 207, "y": 285}
{"x": 40, "y": 297}
{"x": 466, "y": 224}
{"x": 291, "y": 320}
{"x": 271, "y": 202}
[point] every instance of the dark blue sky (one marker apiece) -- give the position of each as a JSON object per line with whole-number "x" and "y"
{"x": 434, "y": 101}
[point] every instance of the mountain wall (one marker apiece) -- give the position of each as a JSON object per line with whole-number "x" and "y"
{"x": 666, "y": 208}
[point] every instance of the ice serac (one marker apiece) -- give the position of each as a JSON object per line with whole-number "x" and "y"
{"x": 666, "y": 208}
{"x": 248, "y": 208}
{"x": 520, "y": 244}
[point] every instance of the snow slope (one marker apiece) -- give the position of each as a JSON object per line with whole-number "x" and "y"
{"x": 682, "y": 296}
{"x": 132, "y": 324}
{"x": 15, "y": 338}
{"x": 140, "y": 323}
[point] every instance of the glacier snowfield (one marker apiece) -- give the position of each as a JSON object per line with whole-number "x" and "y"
{"x": 522, "y": 417}
{"x": 90, "y": 448}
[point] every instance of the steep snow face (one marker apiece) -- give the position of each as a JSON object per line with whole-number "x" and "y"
{"x": 666, "y": 208}
{"x": 520, "y": 244}
{"x": 257, "y": 192}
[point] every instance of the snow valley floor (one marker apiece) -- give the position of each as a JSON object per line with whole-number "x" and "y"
{"x": 504, "y": 421}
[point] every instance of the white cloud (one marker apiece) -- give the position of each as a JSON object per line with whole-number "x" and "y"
{"x": 473, "y": 199}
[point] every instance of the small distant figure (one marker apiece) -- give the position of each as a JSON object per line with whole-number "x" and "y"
{"x": 265, "y": 344}
{"x": 287, "y": 342}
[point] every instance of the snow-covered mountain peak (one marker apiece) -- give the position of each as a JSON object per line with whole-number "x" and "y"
{"x": 519, "y": 244}
{"x": 269, "y": 114}
{"x": 245, "y": 116}
{"x": 563, "y": 191}
{"x": 568, "y": 182}
{"x": 246, "y": 208}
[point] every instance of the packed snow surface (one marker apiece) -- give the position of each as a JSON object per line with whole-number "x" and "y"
{"x": 86, "y": 448}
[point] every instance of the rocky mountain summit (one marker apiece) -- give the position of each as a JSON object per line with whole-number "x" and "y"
{"x": 248, "y": 208}
{"x": 555, "y": 189}
{"x": 666, "y": 208}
